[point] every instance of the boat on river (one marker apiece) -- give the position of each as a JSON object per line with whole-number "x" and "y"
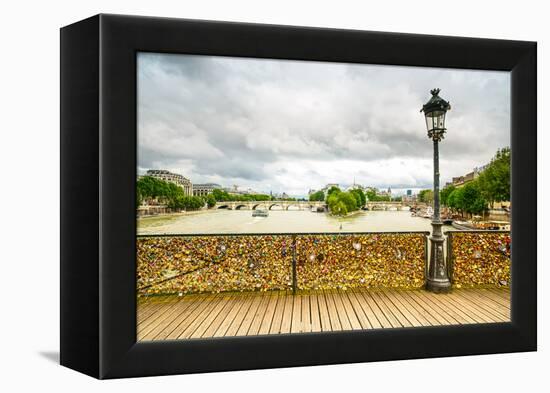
{"x": 260, "y": 213}
{"x": 481, "y": 225}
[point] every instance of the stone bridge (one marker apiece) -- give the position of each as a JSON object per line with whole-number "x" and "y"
{"x": 394, "y": 205}
{"x": 271, "y": 205}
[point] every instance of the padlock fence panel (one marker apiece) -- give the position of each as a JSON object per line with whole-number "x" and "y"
{"x": 213, "y": 263}
{"x": 478, "y": 258}
{"x": 181, "y": 264}
{"x": 369, "y": 260}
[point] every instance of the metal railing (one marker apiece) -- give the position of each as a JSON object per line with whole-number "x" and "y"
{"x": 252, "y": 262}
{"x": 168, "y": 264}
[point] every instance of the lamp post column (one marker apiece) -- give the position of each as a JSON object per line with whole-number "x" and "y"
{"x": 437, "y": 280}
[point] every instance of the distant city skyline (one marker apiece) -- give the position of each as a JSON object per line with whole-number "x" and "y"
{"x": 290, "y": 126}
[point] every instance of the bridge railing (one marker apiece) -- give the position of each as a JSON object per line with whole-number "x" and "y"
{"x": 168, "y": 264}
{"x": 478, "y": 257}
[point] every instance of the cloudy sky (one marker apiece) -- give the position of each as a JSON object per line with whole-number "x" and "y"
{"x": 279, "y": 125}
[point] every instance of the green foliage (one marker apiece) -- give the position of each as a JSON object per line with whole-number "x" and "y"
{"x": 492, "y": 185}
{"x": 341, "y": 203}
{"x": 333, "y": 190}
{"x": 454, "y": 200}
{"x": 472, "y": 200}
{"x": 494, "y": 181}
{"x": 373, "y": 197}
{"x": 224, "y": 196}
{"x": 360, "y": 197}
{"x": 210, "y": 201}
{"x": 165, "y": 192}
{"x": 426, "y": 196}
{"x": 467, "y": 199}
{"x": 445, "y": 193}
{"x": 317, "y": 196}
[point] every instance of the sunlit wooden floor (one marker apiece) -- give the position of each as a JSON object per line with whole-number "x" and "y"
{"x": 258, "y": 313}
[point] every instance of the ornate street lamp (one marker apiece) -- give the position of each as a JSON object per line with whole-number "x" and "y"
{"x": 434, "y": 111}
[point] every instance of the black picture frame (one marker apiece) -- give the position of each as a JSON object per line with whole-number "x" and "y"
{"x": 98, "y": 174}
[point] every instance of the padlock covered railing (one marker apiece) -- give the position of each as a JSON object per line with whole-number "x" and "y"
{"x": 168, "y": 264}
{"x": 479, "y": 258}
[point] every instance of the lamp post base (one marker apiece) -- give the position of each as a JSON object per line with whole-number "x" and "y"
{"x": 437, "y": 280}
{"x": 438, "y": 286}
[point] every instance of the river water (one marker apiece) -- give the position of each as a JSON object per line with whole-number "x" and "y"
{"x": 291, "y": 221}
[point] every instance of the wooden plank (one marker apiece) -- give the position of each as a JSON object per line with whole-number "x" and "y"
{"x": 414, "y": 308}
{"x": 495, "y": 311}
{"x": 153, "y": 329}
{"x": 306, "y": 313}
{"x": 286, "y": 322}
{"x": 231, "y": 303}
{"x": 340, "y": 309}
{"x": 278, "y": 314}
{"x": 348, "y": 307}
{"x": 407, "y": 311}
{"x": 219, "y": 309}
{"x": 504, "y": 311}
{"x": 397, "y": 313}
{"x": 158, "y": 317}
{"x": 248, "y": 318}
{"x": 315, "y": 314}
{"x": 324, "y": 315}
{"x": 180, "y": 319}
{"x": 333, "y": 314}
{"x": 155, "y": 311}
{"x": 240, "y": 302}
{"x": 359, "y": 302}
{"x": 442, "y": 318}
{"x": 296, "y": 325}
{"x": 196, "y": 318}
{"x": 473, "y": 312}
{"x": 241, "y": 315}
{"x": 394, "y": 321}
{"x": 456, "y": 312}
{"x": 216, "y": 315}
{"x": 369, "y": 301}
{"x": 501, "y": 295}
{"x": 489, "y": 308}
{"x": 269, "y": 313}
{"x": 259, "y": 315}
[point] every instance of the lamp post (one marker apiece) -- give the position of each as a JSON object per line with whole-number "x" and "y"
{"x": 434, "y": 111}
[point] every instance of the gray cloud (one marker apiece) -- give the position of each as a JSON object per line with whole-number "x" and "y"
{"x": 294, "y": 125}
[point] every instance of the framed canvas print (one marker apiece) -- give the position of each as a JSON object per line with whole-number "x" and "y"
{"x": 268, "y": 196}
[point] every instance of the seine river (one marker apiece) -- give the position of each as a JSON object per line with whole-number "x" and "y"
{"x": 241, "y": 221}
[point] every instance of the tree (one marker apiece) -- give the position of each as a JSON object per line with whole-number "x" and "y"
{"x": 454, "y": 200}
{"x": 210, "y": 201}
{"x": 317, "y": 196}
{"x": 333, "y": 190}
{"x": 467, "y": 199}
{"x": 360, "y": 197}
{"x": 494, "y": 181}
{"x": 372, "y": 196}
{"x": 445, "y": 193}
{"x": 426, "y": 196}
{"x": 341, "y": 203}
{"x": 220, "y": 195}
{"x": 472, "y": 200}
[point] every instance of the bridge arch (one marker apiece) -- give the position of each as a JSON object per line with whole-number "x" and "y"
{"x": 224, "y": 207}
{"x": 276, "y": 204}
{"x": 240, "y": 207}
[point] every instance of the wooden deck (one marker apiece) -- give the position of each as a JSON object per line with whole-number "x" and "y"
{"x": 258, "y": 313}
